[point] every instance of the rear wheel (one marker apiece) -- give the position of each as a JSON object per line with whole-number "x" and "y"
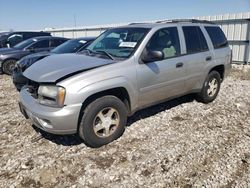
{"x": 8, "y": 66}
{"x": 103, "y": 121}
{"x": 210, "y": 88}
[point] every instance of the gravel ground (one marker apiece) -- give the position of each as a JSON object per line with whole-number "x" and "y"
{"x": 181, "y": 143}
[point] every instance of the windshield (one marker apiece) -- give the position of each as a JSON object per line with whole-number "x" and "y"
{"x": 71, "y": 46}
{"x": 120, "y": 42}
{"x": 25, "y": 43}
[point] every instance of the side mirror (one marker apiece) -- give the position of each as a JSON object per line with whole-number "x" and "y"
{"x": 7, "y": 43}
{"x": 151, "y": 56}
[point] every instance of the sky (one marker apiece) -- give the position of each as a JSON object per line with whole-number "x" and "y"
{"x": 41, "y": 14}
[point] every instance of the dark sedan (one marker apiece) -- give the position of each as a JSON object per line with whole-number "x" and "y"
{"x": 10, "y": 39}
{"x": 9, "y": 56}
{"x": 71, "y": 46}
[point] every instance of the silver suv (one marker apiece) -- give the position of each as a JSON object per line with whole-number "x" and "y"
{"x": 125, "y": 69}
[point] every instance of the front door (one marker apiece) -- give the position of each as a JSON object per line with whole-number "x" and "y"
{"x": 160, "y": 80}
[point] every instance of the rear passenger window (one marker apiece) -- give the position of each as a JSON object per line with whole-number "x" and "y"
{"x": 195, "y": 40}
{"x": 217, "y": 36}
{"x": 41, "y": 44}
{"x": 56, "y": 42}
{"x": 167, "y": 41}
{"x": 29, "y": 35}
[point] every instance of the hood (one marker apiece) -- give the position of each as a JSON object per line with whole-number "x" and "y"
{"x": 55, "y": 67}
{"x": 28, "y": 60}
{"x": 5, "y": 51}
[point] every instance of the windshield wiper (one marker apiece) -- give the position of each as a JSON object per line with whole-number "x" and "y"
{"x": 106, "y": 53}
{"x": 98, "y": 52}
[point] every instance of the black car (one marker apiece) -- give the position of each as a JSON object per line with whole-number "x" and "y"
{"x": 10, "y": 39}
{"x": 9, "y": 56}
{"x": 71, "y": 46}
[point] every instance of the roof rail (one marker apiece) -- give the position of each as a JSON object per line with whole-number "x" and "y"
{"x": 186, "y": 20}
{"x": 135, "y": 23}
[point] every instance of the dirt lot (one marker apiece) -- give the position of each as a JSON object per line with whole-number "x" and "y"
{"x": 181, "y": 143}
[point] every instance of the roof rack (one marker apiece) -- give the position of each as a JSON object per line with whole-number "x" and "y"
{"x": 135, "y": 23}
{"x": 186, "y": 20}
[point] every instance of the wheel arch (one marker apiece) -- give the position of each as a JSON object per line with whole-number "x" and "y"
{"x": 7, "y": 59}
{"x": 220, "y": 69}
{"x": 10, "y": 58}
{"x": 119, "y": 92}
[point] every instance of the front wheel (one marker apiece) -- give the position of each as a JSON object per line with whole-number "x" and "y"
{"x": 103, "y": 121}
{"x": 210, "y": 88}
{"x": 8, "y": 66}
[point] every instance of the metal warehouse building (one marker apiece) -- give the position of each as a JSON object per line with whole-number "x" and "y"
{"x": 235, "y": 26}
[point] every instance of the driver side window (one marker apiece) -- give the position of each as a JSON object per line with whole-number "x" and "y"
{"x": 167, "y": 41}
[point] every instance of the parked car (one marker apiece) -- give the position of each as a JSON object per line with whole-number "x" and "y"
{"x": 10, "y": 39}
{"x": 71, "y": 46}
{"x": 125, "y": 69}
{"x": 9, "y": 56}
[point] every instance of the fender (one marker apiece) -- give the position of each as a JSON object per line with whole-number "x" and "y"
{"x": 107, "y": 84}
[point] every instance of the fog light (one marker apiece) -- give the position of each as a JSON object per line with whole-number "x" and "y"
{"x": 44, "y": 122}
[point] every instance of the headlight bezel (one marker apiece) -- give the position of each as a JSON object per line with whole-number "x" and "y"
{"x": 51, "y": 95}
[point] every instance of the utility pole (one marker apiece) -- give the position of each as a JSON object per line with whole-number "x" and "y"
{"x": 75, "y": 25}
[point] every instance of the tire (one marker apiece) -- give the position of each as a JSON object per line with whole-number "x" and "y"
{"x": 211, "y": 88}
{"x": 96, "y": 128}
{"x": 8, "y": 66}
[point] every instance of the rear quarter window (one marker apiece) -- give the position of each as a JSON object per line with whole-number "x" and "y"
{"x": 217, "y": 37}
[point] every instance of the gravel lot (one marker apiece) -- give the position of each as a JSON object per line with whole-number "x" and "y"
{"x": 181, "y": 143}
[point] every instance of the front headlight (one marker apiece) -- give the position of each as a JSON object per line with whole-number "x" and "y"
{"x": 51, "y": 95}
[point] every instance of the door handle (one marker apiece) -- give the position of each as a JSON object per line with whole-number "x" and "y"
{"x": 178, "y": 65}
{"x": 209, "y": 58}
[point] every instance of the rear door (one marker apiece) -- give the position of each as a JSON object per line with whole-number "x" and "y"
{"x": 197, "y": 56}
{"x": 222, "y": 52}
{"x": 160, "y": 80}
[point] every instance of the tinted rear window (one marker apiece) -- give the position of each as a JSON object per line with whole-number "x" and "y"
{"x": 217, "y": 36}
{"x": 56, "y": 42}
{"x": 41, "y": 44}
{"x": 28, "y": 35}
{"x": 195, "y": 40}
